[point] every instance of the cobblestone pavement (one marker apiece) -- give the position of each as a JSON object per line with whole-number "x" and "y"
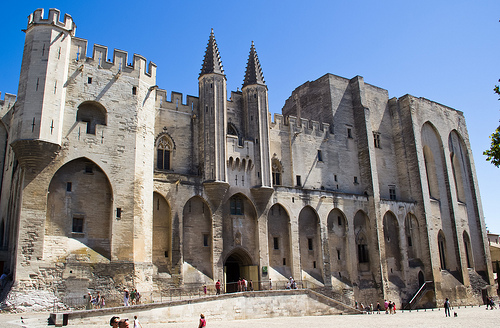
{"x": 467, "y": 317}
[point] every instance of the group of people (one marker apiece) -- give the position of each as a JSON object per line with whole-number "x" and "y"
{"x": 291, "y": 284}
{"x": 94, "y": 302}
{"x": 116, "y": 322}
{"x": 389, "y": 307}
{"x": 244, "y": 285}
{"x": 131, "y": 298}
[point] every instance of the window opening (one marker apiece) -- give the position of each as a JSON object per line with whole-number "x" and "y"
{"x": 77, "y": 224}
{"x": 310, "y": 244}
{"x": 118, "y": 212}
{"x": 205, "y": 239}
{"x": 320, "y": 156}
{"x": 349, "y": 133}
{"x": 68, "y": 186}
{"x": 299, "y": 182}
{"x": 236, "y": 205}
{"x": 276, "y": 243}
{"x": 376, "y": 139}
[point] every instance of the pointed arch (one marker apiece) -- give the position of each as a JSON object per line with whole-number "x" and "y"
{"x": 79, "y": 206}
{"x": 460, "y": 164}
{"x": 362, "y": 236}
{"x": 433, "y": 158}
{"x": 240, "y": 225}
{"x": 164, "y": 150}
{"x": 442, "y": 250}
{"x": 162, "y": 233}
{"x": 392, "y": 243}
{"x": 197, "y": 235}
{"x": 337, "y": 241}
{"x": 279, "y": 241}
{"x": 412, "y": 233}
{"x": 310, "y": 243}
{"x": 468, "y": 250}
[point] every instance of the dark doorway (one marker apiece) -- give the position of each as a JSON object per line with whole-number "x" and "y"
{"x": 421, "y": 279}
{"x": 232, "y": 268}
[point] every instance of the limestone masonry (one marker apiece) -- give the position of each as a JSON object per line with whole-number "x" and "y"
{"x": 108, "y": 182}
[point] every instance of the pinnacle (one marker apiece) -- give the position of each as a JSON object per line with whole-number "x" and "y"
{"x": 212, "y": 62}
{"x": 253, "y": 73}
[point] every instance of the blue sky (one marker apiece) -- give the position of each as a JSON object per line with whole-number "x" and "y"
{"x": 446, "y": 51}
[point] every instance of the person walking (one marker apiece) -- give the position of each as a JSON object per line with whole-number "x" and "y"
{"x": 203, "y": 322}
{"x": 126, "y": 297}
{"x": 137, "y": 324}
{"x": 447, "y": 308}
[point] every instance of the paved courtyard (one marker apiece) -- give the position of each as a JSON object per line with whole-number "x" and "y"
{"x": 467, "y": 317}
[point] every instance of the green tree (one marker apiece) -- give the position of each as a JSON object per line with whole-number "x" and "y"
{"x": 493, "y": 154}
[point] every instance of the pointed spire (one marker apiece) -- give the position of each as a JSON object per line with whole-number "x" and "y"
{"x": 253, "y": 74}
{"x": 212, "y": 62}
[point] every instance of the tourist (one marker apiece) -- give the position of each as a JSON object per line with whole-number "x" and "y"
{"x": 270, "y": 284}
{"x": 3, "y": 280}
{"x": 250, "y": 285}
{"x": 137, "y": 324}
{"x": 137, "y": 297}
{"x": 123, "y": 323}
{"x": 103, "y": 302}
{"x": 88, "y": 302}
{"x": 217, "y": 287}
{"x": 97, "y": 300}
{"x": 447, "y": 308}
{"x": 245, "y": 284}
{"x": 114, "y": 321}
{"x": 378, "y": 307}
{"x": 126, "y": 297}
{"x": 386, "y": 306}
{"x": 205, "y": 289}
{"x": 132, "y": 296}
{"x": 203, "y": 322}
{"x": 391, "y": 307}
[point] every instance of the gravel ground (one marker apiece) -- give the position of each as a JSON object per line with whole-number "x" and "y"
{"x": 467, "y": 317}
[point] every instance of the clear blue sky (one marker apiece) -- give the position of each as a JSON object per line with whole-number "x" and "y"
{"x": 446, "y": 51}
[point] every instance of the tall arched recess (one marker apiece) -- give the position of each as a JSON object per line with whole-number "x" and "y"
{"x": 310, "y": 244}
{"x": 467, "y": 203}
{"x": 197, "y": 240}
{"x": 162, "y": 234}
{"x": 337, "y": 245}
{"x": 278, "y": 227}
{"x": 79, "y": 211}
{"x": 393, "y": 249}
{"x": 441, "y": 216}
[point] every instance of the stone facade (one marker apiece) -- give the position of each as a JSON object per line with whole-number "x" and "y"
{"x": 106, "y": 184}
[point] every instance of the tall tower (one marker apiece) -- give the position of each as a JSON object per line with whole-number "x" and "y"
{"x": 212, "y": 91}
{"x": 256, "y": 116}
{"x": 41, "y": 94}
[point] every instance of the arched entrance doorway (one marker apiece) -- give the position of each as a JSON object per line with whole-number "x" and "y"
{"x": 238, "y": 265}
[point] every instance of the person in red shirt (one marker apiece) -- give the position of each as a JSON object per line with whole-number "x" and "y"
{"x": 203, "y": 322}
{"x": 217, "y": 287}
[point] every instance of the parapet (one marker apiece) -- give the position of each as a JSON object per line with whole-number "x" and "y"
{"x": 36, "y": 18}
{"x": 9, "y": 99}
{"x": 295, "y": 125}
{"x": 118, "y": 63}
{"x": 175, "y": 102}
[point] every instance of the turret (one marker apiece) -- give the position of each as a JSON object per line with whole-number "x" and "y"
{"x": 212, "y": 91}
{"x": 41, "y": 94}
{"x": 256, "y": 118}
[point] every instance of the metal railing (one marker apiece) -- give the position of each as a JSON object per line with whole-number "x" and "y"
{"x": 189, "y": 291}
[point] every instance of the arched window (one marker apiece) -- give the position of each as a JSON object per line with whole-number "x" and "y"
{"x": 277, "y": 169}
{"x": 164, "y": 148}
{"x": 92, "y": 113}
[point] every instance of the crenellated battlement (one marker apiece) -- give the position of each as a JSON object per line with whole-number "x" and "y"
{"x": 119, "y": 62}
{"x": 175, "y": 102}
{"x": 36, "y": 18}
{"x": 9, "y": 99}
{"x": 295, "y": 125}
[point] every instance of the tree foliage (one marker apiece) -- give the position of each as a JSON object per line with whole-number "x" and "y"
{"x": 493, "y": 154}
